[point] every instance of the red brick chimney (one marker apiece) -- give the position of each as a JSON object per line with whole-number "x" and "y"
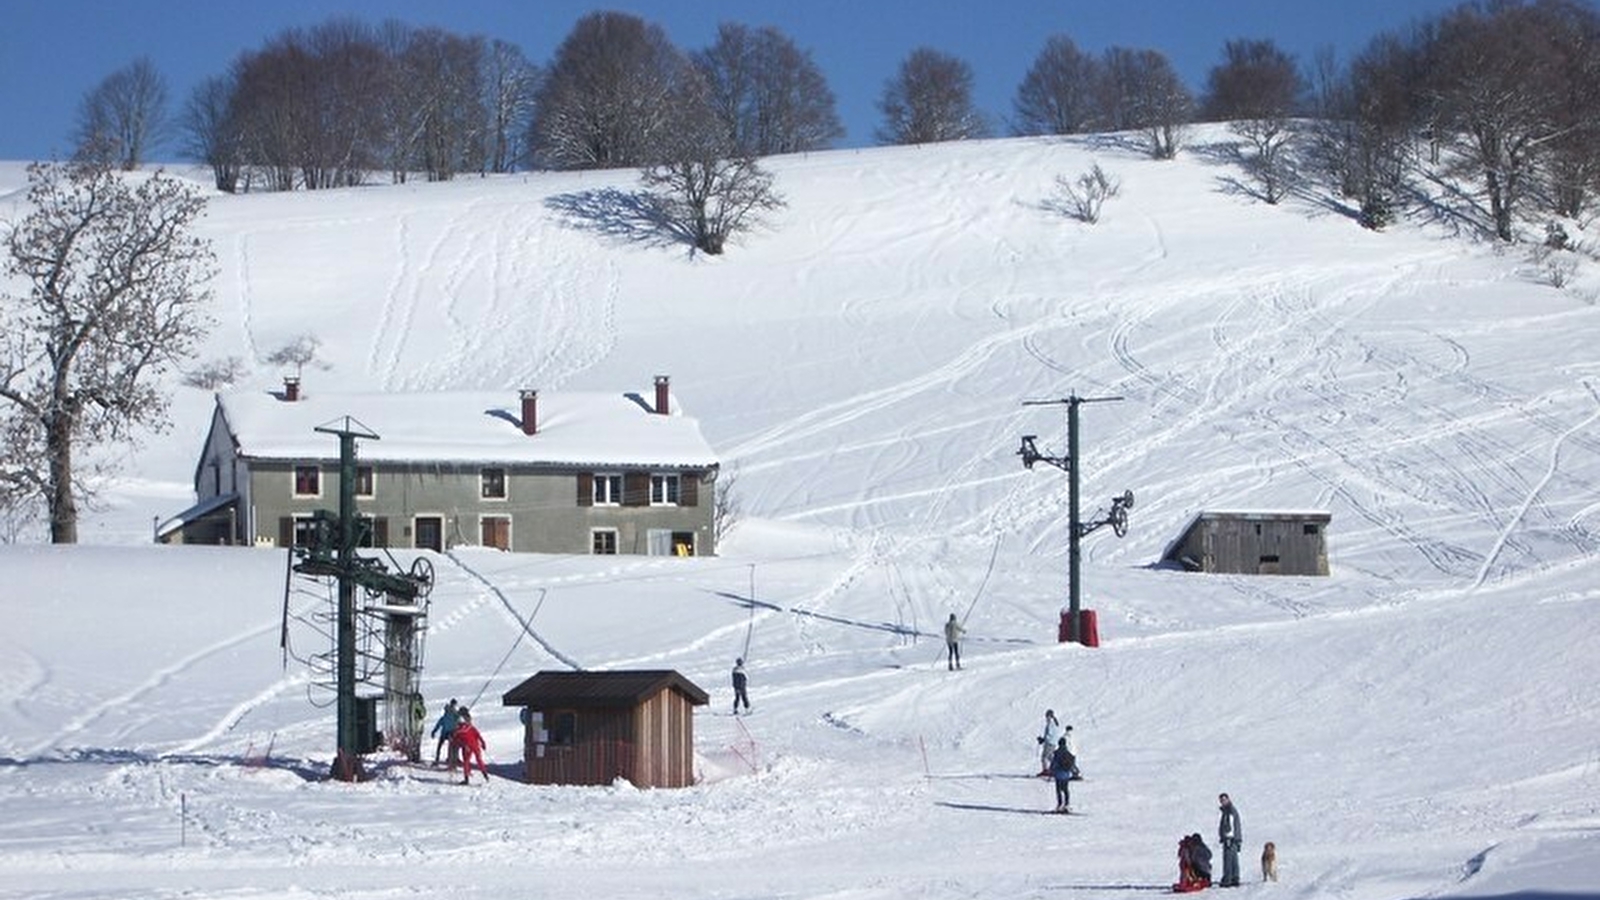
{"x": 530, "y": 412}
{"x": 663, "y": 393}
{"x": 291, "y": 389}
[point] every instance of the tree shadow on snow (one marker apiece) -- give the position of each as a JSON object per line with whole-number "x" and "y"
{"x": 307, "y": 769}
{"x": 633, "y": 217}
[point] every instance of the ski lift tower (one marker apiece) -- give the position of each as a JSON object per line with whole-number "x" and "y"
{"x": 331, "y": 551}
{"x": 1117, "y": 517}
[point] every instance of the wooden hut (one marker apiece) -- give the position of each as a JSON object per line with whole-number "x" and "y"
{"x": 596, "y": 727}
{"x": 1254, "y": 543}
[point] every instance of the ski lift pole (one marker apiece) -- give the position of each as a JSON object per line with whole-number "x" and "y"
{"x": 1076, "y": 527}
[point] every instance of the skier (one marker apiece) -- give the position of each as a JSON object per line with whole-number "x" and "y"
{"x": 740, "y": 681}
{"x": 1047, "y": 741}
{"x": 471, "y": 742}
{"x": 952, "y": 643}
{"x": 1072, "y": 745}
{"x": 443, "y": 729}
{"x": 1061, "y": 762}
{"x": 1231, "y": 833}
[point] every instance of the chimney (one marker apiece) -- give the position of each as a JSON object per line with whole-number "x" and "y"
{"x": 291, "y": 388}
{"x": 663, "y": 406}
{"x": 530, "y": 412}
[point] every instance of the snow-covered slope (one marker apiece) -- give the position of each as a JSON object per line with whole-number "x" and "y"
{"x": 1422, "y": 722}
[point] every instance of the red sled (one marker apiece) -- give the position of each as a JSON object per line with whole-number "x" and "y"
{"x": 1189, "y": 887}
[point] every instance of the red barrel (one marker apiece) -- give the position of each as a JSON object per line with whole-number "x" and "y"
{"x": 1064, "y": 629}
{"x": 1088, "y": 628}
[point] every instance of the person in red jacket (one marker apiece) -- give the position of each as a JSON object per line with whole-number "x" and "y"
{"x": 471, "y": 742}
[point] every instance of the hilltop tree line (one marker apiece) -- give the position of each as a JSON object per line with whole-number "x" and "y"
{"x": 1503, "y": 95}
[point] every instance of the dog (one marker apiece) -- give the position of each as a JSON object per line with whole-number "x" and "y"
{"x": 1269, "y": 862}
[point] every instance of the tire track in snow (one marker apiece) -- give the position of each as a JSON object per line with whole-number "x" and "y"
{"x": 1551, "y": 468}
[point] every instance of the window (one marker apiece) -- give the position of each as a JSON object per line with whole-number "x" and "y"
{"x": 608, "y": 490}
{"x": 603, "y": 542}
{"x": 364, "y": 481}
{"x": 663, "y": 490}
{"x": 492, "y": 483}
{"x": 666, "y": 542}
{"x": 305, "y": 531}
{"x": 563, "y": 725}
{"x": 495, "y": 531}
{"x": 307, "y": 481}
{"x": 1309, "y": 528}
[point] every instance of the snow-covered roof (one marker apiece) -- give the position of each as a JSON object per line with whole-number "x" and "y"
{"x": 577, "y": 428}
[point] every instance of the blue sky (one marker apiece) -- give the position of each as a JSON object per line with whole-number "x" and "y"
{"x": 53, "y": 51}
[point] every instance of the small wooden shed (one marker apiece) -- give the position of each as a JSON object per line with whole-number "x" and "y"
{"x": 596, "y": 727}
{"x": 1250, "y": 542}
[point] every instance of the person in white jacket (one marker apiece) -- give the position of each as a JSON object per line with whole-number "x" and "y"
{"x": 1047, "y": 740}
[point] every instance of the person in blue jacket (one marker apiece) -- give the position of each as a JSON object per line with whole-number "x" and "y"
{"x": 444, "y": 728}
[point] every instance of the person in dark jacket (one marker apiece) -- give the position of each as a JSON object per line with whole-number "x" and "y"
{"x": 952, "y": 643}
{"x": 1061, "y": 764}
{"x": 740, "y": 683}
{"x": 1231, "y": 833}
{"x": 443, "y": 729}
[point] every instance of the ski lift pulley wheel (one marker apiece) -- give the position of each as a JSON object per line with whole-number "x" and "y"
{"x": 422, "y": 575}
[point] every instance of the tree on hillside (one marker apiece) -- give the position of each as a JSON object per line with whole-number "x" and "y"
{"x": 211, "y": 131}
{"x": 1057, "y": 95}
{"x": 509, "y": 83}
{"x": 124, "y": 117}
{"x": 116, "y": 284}
{"x": 607, "y": 100}
{"x": 1139, "y": 90}
{"x": 1257, "y": 88}
{"x": 1493, "y": 74}
{"x": 441, "y": 81}
{"x": 1573, "y": 160}
{"x": 704, "y": 187}
{"x": 1366, "y": 117}
{"x": 768, "y": 93}
{"x": 930, "y": 100}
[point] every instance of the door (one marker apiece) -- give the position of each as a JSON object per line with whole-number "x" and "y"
{"x": 429, "y": 533}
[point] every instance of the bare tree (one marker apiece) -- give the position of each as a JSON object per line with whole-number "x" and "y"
{"x": 1082, "y": 198}
{"x": 1494, "y": 73}
{"x": 509, "y": 83}
{"x": 1057, "y": 95}
{"x": 767, "y": 92}
{"x": 211, "y": 131}
{"x": 299, "y": 352}
{"x": 930, "y": 100}
{"x": 608, "y": 97}
{"x": 1257, "y": 88}
{"x": 442, "y": 78}
{"x": 116, "y": 287}
{"x": 124, "y": 117}
{"x": 705, "y": 188}
{"x": 1139, "y": 90}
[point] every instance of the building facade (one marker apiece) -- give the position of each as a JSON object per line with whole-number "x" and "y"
{"x": 1254, "y": 543}
{"x": 560, "y": 473}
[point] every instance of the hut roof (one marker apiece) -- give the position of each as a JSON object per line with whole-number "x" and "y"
{"x": 600, "y": 690}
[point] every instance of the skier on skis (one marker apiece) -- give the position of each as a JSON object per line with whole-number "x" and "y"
{"x": 952, "y": 643}
{"x": 471, "y": 742}
{"x": 1061, "y": 763}
{"x": 1047, "y": 741}
{"x": 443, "y": 729}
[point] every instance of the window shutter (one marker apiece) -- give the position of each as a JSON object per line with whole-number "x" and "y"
{"x": 636, "y": 489}
{"x": 689, "y": 489}
{"x": 585, "y": 489}
{"x": 285, "y": 531}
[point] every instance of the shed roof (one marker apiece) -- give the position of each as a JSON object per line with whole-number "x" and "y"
{"x": 575, "y": 428}
{"x": 600, "y": 690}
